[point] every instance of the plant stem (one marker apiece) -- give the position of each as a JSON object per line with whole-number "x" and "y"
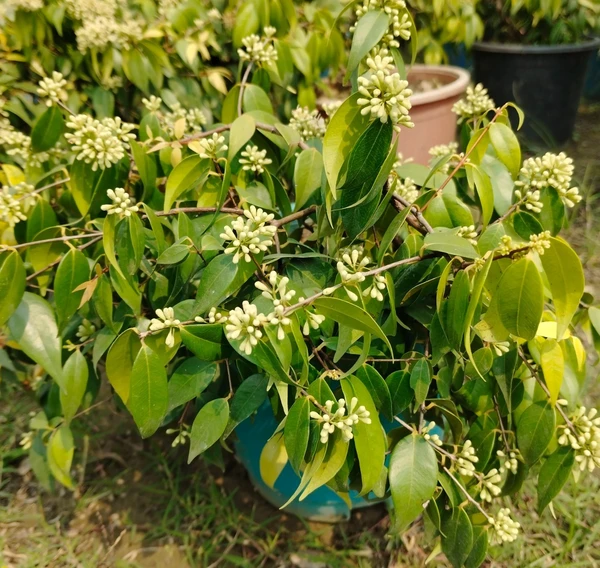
{"x": 294, "y": 216}
{"x": 56, "y": 240}
{"x": 414, "y": 212}
{"x": 243, "y": 88}
{"x": 467, "y": 494}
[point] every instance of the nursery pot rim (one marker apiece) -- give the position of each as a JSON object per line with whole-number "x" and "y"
{"x": 455, "y": 88}
{"x": 518, "y": 48}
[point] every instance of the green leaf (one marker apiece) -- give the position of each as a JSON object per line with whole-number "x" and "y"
{"x": 378, "y": 389}
{"x": 146, "y": 165}
{"x": 535, "y": 430}
{"x": 351, "y": 315}
{"x": 42, "y": 217}
{"x": 272, "y": 459}
{"x": 208, "y": 426}
{"x": 507, "y": 147}
{"x": 297, "y": 431}
{"x": 420, "y": 379}
{"x": 565, "y": 277}
{"x": 525, "y": 225}
{"x": 449, "y": 243}
{"x": 457, "y": 537}
{"x": 135, "y": 68}
{"x": 480, "y": 547}
{"x": 504, "y": 368}
{"x": 251, "y": 393}
{"x": 485, "y": 192}
{"x": 47, "y": 129}
{"x": 33, "y": 327}
{"x": 335, "y": 457}
{"x": 369, "y": 439}
{"x": 12, "y": 283}
{"x": 72, "y": 271}
{"x": 148, "y": 391}
{"x": 174, "y": 254}
{"x": 75, "y": 382}
{"x": 413, "y": 475}
{"x": 369, "y": 154}
{"x": 119, "y": 362}
{"x": 391, "y": 232}
{"x": 189, "y": 380}
{"x": 553, "y": 366}
{"x": 60, "y": 455}
{"x": 184, "y": 176}
{"x": 204, "y": 341}
{"x": 553, "y": 475}
{"x": 219, "y": 280}
{"x": 401, "y": 393}
{"x": 343, "y": 130}
{"x": 242, "y": 130}
{"x": 368, "y": 33}
{"x": 454, "y": 310}
{"x": 521, "y": 298}
{"x": 255, "y": 99}
{"x": 307, "y": 175}
{"x": 109, "y": 233}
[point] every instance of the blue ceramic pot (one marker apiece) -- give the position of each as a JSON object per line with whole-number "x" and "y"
{"x": 323, "y": 505}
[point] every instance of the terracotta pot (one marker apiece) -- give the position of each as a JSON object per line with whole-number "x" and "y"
{"x": 435, "y": 123}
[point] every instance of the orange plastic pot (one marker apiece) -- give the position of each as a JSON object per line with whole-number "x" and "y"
{"x": 435, "y": 123}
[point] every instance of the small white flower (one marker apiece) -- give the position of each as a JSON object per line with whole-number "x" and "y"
{"x": 258, "y": 50}
{"x": 475, "y": 103}
{"x": 539, "y": 243}
{"x": 166, "y": 320}
{"x": 504, "y": 528}
{"x": 153, "y": 103}
{"x": 387, "y": 97}
{"x": 254, "y": 160}
{"x": 466, "y": 459}
{"x": 245, "y": 324}
{"x": 308, "y": 123}
{"x": 490, "y": 488}
{"x": 122, "y": 204}
{"x": 584, "y": 438}
{"x": 53, "y": 88}
{"x": 469, "y": 233}
{"x": 213, "y": 317}
{"x": 335, "y": 416}
{"x": 15, "y": 203}
{"x": 250, "y": 236}
{"x": 209, "y": 148}
{"x": 85, "y": 330}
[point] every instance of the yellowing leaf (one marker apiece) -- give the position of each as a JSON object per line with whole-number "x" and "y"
{"x": 553, "y": 366}
{"x": 273, "y": 459}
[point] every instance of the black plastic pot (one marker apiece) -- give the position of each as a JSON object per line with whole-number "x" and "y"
{"x": 545, "y": 81}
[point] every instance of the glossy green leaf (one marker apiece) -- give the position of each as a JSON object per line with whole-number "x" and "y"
{"x": 189, "y": 380}
{"x": 307, "y": 175}
{"x": 47, "y": 129}
{"x": 457, "y": 537}
{"x": 33, "y": 327}
{"x": 535, "y": 430}
{"x": 507, "y": 147}
{"x": 413, "y": 476}
{"x": 75, "y": 375}
{"x": 251, "y": 393}
{"x": 72, "y": 271}
{"x": 504, "y": 368}
{"x": 349, "y": 314}
{"x": 12, "y": 283}
{"x": 369, "y": 439}
{"x": 109, "y": 235}
{"x": 148, "y": 391}
{"x": 297, "y": 431}
{"x": 420, "y": 379}
{"x": 146, "y": 166}
{"x": 521, "y": 298}
{"x": 41, "y": 217}
{"x": 184, "y": 176}
{"x": 454, "y": 310}
{"x": 480, "y": 547}
{"x": 378, "y": 389}
{"x": 553, "y": 475}
{"x": 204, "y": 341}
{"x": 272, "y": 459}
{"x": 370, "y": 28}
{"x": 208, "y": 426}
{"x": 401, "y": 393}
{"x": 449, "y": 243}
{"x": 565, "y": 276}
{"x": 242, "y": 130}
{"x": 174, "y": 254}
{"x": 343, "y": 130}
{"x": 60, "y": 455}
{"x": 119, "y": 362}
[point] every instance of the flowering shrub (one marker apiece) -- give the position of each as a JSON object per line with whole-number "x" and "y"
{"x": 411, "y": 327}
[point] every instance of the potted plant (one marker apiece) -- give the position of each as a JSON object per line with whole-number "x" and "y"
{"x": 286, "y": 261}
{"x": 542, "y": 50}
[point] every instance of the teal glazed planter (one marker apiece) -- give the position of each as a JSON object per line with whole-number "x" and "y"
{"x": 323, "y": 505}
{"x": 591, "y": 90}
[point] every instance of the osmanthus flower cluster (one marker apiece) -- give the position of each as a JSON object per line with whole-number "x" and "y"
{"x": 476, "y": 103}
{"x": 409, "y": 332}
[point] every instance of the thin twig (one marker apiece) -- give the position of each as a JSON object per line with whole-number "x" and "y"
{"x": 294, "y": 216}
{"x": 55, "y": 240}
{"x": 243, "y": 88}
{"x": 414, "y": 211}
{"x": 468, "y": 495}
